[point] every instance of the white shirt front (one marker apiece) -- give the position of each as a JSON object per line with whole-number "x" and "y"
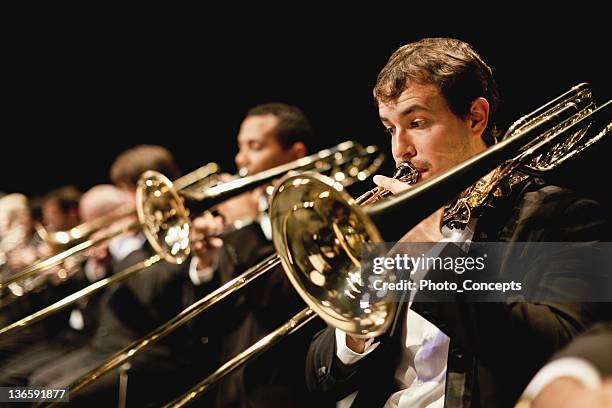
{"x": 421, "y": 370}
{"x": 123, "y": 245}
{"x": 119, "y": 248}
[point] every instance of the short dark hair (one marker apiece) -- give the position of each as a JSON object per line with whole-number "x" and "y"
{"x": 452, "y": 65}
{"x": 292, "y": 127}
{"x": 66, "y": 198}
{"x": 130, "y": 164}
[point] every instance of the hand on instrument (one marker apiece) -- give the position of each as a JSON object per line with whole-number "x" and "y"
{"x": 393, "y": 185}
{"x": 21, "y": 257}
{"x": 240, "y": 208}
{"x": 206, "y": 244}
{"x": 427, "y": 230}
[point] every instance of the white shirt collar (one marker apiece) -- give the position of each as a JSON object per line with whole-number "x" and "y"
{"x": 125, "y": 244}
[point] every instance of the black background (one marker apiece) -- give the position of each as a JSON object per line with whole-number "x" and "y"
{"x": 77, "y": 95}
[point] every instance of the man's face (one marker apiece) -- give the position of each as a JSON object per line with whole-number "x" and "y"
{"x": 258, "y": 148}
{"x": 53, "y": 217}
{"x": 425, "y": 132}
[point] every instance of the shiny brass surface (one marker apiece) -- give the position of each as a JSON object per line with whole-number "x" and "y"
{"x": 405, "y": 172}
{"x": 71, "y": 299}
{"x": 166, "y": 221}
{"x": 336, "y": 290}
{"x": 186, "y": 315}
{"x": 59, "y": 258}
{"x": 294, "y": 324}
{"x": 162, "y": 210}
{"x": 567, "y": 110}
{"x": 165, "y": 213}
{"x": 320, "y": 233}
{"x": 62, "y": 240}
{"x": 79, "y": 239}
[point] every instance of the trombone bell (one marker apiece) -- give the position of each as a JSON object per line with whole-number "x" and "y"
{"x": 164, "y": 218}
{"x": 320, "y": 235}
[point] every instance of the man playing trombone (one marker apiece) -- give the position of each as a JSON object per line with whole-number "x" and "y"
{"x": 79, "y": 323}
{"x": 270, "y": 135}
{"x": 127, "y": 310}
{"x": 437, "y": 99}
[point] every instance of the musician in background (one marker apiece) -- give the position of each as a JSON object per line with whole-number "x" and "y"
{"x": 270, "y": 135}
{"x": 60, "y": 209}
{"x": 437, "y": 99}
{"x": 19, "y": 247}
{"x": 129, "y": 310}
{"x": 78, "y": 323}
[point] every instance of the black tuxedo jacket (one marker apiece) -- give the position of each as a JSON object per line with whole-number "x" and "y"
{"x": 144, "y": 301}
{"x": 276, "y": 377}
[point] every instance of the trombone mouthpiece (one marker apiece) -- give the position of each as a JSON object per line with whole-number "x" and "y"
{"x": 406, "y": 172}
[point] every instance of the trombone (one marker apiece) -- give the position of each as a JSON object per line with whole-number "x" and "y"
{"x": 79, "y": 239}
{"x": 166, "y": 221}
{"x": 165, "y": 214}
{"x": 317, "y": 224}
{"x": 349, "y": 161}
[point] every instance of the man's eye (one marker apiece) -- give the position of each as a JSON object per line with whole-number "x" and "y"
{"x": 417, "y": 123}
{"x": 389, "y": 130}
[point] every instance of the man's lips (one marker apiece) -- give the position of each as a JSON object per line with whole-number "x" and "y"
{"x": 421, "y": 171}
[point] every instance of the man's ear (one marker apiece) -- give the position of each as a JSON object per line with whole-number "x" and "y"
{"x": 298, "y": 150}
{"x": 479, "y": 116}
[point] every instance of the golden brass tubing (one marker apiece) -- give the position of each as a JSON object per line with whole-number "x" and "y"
{"x": 68, "y": 300}
{"x": 57, "y": 259}
{"x": 294, "y": 324}
{"x": 186, "y": 315}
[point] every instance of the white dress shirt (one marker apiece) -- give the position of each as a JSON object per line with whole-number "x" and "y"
{"x": 421, "y": 370}
{"x": 119, "y": 248}
{"x": 123, "y": 245}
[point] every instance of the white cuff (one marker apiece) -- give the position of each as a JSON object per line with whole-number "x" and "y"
{"x": 576, "y": 368}
{"x": 348, "y": 356}
{"x": 91, "y": 273}
{"x": 202, "y": 276}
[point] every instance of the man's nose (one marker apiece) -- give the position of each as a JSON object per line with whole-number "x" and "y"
{"x": 403, "y": 148}
{"x": 240, "y": 159}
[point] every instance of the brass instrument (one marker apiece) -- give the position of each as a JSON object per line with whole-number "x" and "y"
{"x": 308, "y": 211}
{"x": 57, "y": 241}
{"x": 405, "y": 172}
{"x": 165, "y": 214}
{"x": 319, "y": 231}
{"x": 61, "y": 240}
{"x": 577, "y": 102}
{"x": 348, "y": 157}
{"x": 79, "y": 239}
{"x": 166, "y": 220}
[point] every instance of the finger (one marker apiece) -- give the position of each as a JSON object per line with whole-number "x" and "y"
{"x": 215, "y": 242}
{"x": 225, "y": 177}
{"x": 203, "y": 223}
{"x": 217, "y": 225}
{"x": 391, "y": 184}
{"x": 198, "y": 245}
